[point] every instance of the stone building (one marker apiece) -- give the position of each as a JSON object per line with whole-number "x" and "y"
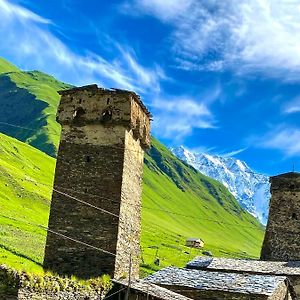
{"x": 220, "y": 285}
{"x": 100, "y": 161}
{"x": 290, "y": 270}
{"x": 281, "y": 242}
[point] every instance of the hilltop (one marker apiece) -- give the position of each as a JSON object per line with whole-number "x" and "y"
{"x": 30, "y": 99}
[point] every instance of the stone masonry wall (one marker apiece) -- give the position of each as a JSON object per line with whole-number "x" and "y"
{"x": 100, "y": 161}
{"x": 128, "y": 246}
{"x": 17, "y": 285}
{"x": 281, "y": 242}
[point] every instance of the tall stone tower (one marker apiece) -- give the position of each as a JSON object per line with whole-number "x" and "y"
{"x": 100, "y": 161}
{"x": 282, "y": 237}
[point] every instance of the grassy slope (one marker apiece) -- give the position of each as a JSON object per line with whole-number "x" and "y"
{"x": 169, "y": 184}
{"x": 22, "y": 168}
{"x": 30, "y": 99}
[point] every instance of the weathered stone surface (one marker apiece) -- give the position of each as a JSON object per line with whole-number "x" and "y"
{"x": 100, "y": 161}
{"x": 281, "y": 242}
{"x": 198, "y": 284}
{"x": 246, "y": 265}
{"x": 141, "y": 290}
{"x": 290, "y": 269}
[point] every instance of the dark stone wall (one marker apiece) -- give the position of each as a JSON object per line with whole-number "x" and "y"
{"x": 100, "y": 161}
{"x": 82, "y": 170}
{"x": 281, "y": 242}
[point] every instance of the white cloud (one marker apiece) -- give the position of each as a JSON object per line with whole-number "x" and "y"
{"x": 293, "y": 106}
{"x": 285, "y": 139}
{"x": 9, "y": 10}
{"x": 246, "y": 35}
{"x": 165, "y": 10}
{"x": 178, "y": 117}
{"x": 28, "y": 38}
{"x": 233, "y": 152}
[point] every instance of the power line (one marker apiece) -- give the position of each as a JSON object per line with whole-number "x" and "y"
{"x": 61, "y": 235}
{"x": 115, "y": 293}
{"x": 156, "y": 209}
{"x": 86, "y": 203}
{"x": 150, "y": 154}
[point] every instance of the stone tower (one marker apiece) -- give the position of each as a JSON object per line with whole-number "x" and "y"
{"x": 100, "y": 161}
{"x": 282, "y": 237}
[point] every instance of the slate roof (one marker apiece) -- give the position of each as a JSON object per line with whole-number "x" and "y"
{"x": 152, "y": 290}
{"x": 217, "y": 281}
{"x": 246, "y": 265}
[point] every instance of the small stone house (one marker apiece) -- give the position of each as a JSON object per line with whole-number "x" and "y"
{"x": 194, "y": 243}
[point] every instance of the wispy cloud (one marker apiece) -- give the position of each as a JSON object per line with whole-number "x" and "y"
{"x": 292, "y": 106}
{"x": 28, "y": 38}
{"x": 285, "y": 139}
{"x": 177, "y": 117}
{"x": 233, "y": 152}
{"x": 246, "y": 35}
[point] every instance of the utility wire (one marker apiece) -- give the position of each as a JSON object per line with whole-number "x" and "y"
{"x": 86, "y": 203}
{"x": 62, "y": 235}
{"x": 115, "y": 293}
{"x": 148, "y": 152}
{"x": 156, "y": 209}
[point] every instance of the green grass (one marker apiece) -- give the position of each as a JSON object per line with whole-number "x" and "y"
{"x": 22, "y": 168}
{"x": 30, "y": 99}
{"x": 178, "y": 201}
{"x": 191, "y": 199}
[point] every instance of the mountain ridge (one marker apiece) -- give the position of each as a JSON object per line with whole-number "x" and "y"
{"x": 251, "y": 189}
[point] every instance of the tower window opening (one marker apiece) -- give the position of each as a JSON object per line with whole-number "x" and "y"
{"x": 88, "y": 159}
{"x": 106, "y": 115}
{"x": 294, "y": 216}
{"x": 107, "y": 102}
{"x": 79, "y": 112}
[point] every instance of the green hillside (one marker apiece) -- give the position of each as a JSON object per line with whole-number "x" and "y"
{"x": 178, "y": 203}
{"x": 30, "y": 99}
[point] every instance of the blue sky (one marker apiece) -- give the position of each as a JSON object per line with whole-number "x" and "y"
{"x": 218, "y": 76}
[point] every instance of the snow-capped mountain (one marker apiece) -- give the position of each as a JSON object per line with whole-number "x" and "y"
{"x": 251, "y": 189}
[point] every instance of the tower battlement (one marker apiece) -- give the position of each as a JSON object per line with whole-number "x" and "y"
{"x": 90, "y": 105}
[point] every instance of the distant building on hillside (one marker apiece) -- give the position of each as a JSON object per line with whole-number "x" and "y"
{"x": 194, "y": 243}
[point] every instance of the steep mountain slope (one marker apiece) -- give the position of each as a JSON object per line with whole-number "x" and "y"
{"x": 30, "y": 99}
{"x": 252, "y": 190}
{"x": 25, "y": 181}
{"x": 178, "y": 203}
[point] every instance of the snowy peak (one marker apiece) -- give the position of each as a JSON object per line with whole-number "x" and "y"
{"x": 251, "y": 189}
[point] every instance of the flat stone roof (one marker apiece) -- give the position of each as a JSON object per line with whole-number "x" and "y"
{"x": 245, "y": 265}
{"x": 152, "y": 290}
{"x": 217, "y": 281}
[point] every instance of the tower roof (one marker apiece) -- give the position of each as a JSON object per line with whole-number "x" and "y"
{"x": 287, "y": 175}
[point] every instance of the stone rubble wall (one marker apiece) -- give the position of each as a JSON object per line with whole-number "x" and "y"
{"x": 281, "y": 242}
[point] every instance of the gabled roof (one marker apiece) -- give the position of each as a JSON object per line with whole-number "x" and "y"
{"x": 217, "y": 281}
{"x": 245, "y": 265}
{"x": 193, "y": 240}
